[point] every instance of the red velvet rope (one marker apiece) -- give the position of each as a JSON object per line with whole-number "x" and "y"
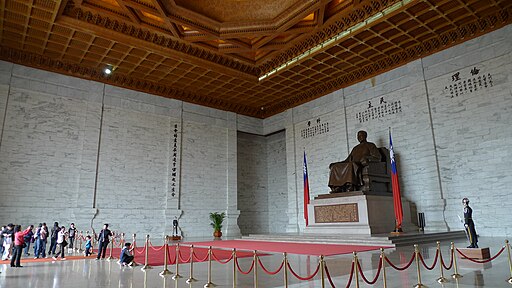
{"x": 330, "y": 279}
{"x": 433, "y": 265}
{"x": 139, "y": 251}
{"x": 200, "y": 260}
{"x": 220, "y": 261}
{"x": 307, "y": 277}
{"x": 271, "y": 272}
{"x": 169, "y": 259}
{"x": 181, "y": 258}
{"x": 240, "y": 269}
{"x": 483, "y": 261}
{"x": 153, "y": 247}
{"x": 403, "y": 268}
{"x": 451, "y": 261}
{"x": 376, "y": 275}
{"x": 329, "y": 276}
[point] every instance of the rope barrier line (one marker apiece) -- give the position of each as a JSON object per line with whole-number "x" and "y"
{"x": 433, "y": 265}
{"x": 153, "y": 247}
{"x": 307, "y": 277}
{"x": 451, "y": 261}
{"x": 170, "y": 259}
{"x": 240, "y": 269}
{"x": 329, "y": 276}
{"x": 182, "y": 259}
{"x": 220, "y": 261}
{"x": 271, "y": 272}
{"x": 349, "y": 279}
{"x": 197, "y": 258}
{"x": 139, "y": 251}
{"x": 483, "y": 261}
{"x": 376, "y": 275}
{"x": 403, "y": 268}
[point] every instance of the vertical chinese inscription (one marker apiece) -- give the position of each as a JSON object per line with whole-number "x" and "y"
{"x": 174, "y": 161}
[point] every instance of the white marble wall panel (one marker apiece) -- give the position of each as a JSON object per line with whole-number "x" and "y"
{"x": 204, "y": 175}
{"x": 473, "y": 131}
{"x": 253, "y": 190}
{"x": 276, "y": 179}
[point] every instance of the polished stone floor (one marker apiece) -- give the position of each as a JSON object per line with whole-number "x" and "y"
{"x": 99, "y": 274}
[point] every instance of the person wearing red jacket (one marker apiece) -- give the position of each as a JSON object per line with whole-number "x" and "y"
{"x": 18, "y": 245}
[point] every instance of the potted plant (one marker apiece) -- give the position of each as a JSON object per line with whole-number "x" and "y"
{"x": 217, "y": 219}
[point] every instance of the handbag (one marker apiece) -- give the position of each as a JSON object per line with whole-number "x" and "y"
{"x": 24, "y": 245}
{"x": 64, "y": 243}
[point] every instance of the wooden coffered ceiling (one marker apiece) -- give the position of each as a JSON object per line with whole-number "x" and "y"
{"x": 214, "y": 52}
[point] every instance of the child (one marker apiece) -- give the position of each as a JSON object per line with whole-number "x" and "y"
{"x": 88, "y": 246}
{"x": 126, "y": 257}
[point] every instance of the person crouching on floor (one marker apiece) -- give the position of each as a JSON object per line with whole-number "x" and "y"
{"x": 126, "y": 257}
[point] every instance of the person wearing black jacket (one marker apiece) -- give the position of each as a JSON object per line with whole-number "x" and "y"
{"x": 103, "y": 240}
{"x": 53, "y": 238}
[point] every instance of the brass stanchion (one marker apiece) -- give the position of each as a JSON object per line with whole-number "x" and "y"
{"x": 146, "y": 247}
{"x": 509, "y": 262}
{"x": 322, "y": 271}
{"x": 417, "y": 258}
{"x": 191, "y": 276}
{"x": 255, "y": 259}
{"x": 210, "y": 283}
{"x": 285, "y": 274}
{"x": 109, "y": 258}
{"x": 234, "y": 267}
{"x": 177, "y": 276}
{"x": 356, "y": 269}
{"x": 383, "y": 259}
{"x": 166, "y": 271}
{"x": 456, "y": 274}
{"x": 80, "y": 236}
{"x": 134, "y": 245}
{"x": 441, "y": 278}
{"x": 122, "y": 241}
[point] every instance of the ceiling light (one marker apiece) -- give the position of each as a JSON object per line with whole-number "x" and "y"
{"x": 108, "y": 69}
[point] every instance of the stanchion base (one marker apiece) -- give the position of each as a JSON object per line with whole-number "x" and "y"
{"x": 509, "y": 280}
{"x": 419, "y": 285}
{"x": 190, "y": 280}
{"x": 456, "y": 276}
{"x": 442, "y": 280}
{"x": 166, "y": 272}
{"x": 176, "y": 277}
{"x": 209, "y": 284}
{"x": 146, "y": 267}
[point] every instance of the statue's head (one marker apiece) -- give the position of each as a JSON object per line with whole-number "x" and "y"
{"x": 361, "y": 136}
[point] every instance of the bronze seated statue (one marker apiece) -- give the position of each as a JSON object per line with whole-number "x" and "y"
{"x": 366, "y": 169}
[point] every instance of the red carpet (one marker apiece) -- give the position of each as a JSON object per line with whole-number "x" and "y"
{"x": 244, "y": 248}
{"x": 289, "y": 247}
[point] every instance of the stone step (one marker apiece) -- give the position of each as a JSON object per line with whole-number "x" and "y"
{"x": 394, "y": 240}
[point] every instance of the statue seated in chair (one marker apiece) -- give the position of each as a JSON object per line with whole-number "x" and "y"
{"x": 365, "y": 169}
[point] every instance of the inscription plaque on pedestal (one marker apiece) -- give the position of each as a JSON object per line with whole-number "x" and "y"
{"x": 337, "y": 213}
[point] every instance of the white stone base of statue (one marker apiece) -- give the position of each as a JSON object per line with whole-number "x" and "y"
{"x": 355, "y": 213}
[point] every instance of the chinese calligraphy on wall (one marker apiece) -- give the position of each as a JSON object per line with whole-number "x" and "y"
{"x": 464, "y": 85}
{"x": 174, "y": 161}
{"x": 314, "y": 129}
{"x": 376, "y": 111}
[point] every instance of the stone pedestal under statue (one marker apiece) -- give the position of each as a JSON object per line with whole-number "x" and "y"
{"x": 355, "y": 213}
